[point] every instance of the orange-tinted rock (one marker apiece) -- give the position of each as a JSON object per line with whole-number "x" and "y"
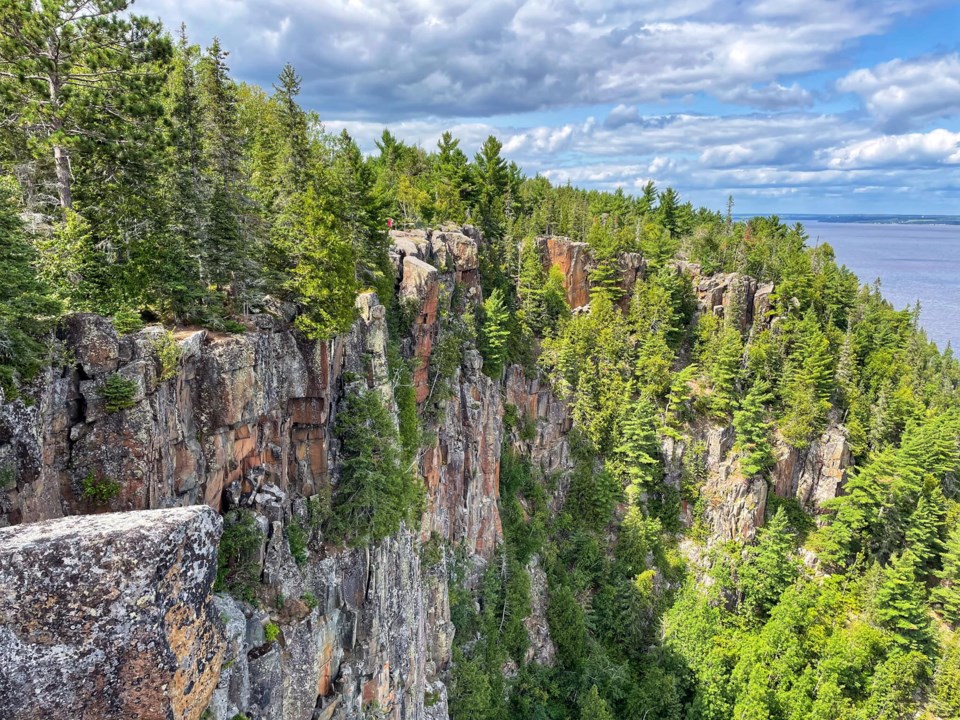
{"x": 574, "y": 261}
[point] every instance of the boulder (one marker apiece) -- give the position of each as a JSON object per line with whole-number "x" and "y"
{"x": 110, "y": 616}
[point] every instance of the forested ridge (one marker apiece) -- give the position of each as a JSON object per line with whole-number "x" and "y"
{"x": 141, "y": 182}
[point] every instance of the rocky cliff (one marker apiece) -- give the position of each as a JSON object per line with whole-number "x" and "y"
{"x": 247, "y": 421}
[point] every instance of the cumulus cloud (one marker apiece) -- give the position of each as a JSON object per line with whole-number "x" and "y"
{"x": 903, "y": 94}
{"x": 397, "y": 58}
{"x": 937, "y": 147}
{"x": 612, "y": 93}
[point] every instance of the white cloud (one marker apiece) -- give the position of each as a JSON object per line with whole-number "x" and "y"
{"x": 396, "y": 58}
{"x": 936, "y": 147}
{"x": 906, "y": 93}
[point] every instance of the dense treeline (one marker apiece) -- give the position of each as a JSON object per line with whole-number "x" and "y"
{"x": 141, "y": 182}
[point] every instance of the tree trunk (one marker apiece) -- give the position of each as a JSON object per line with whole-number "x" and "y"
{"x": 62, "y": 161}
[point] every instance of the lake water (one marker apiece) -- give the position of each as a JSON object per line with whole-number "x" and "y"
{"x": 913, "y": 262}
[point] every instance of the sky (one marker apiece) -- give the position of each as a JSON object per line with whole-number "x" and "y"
{"x": 790, "y": 106}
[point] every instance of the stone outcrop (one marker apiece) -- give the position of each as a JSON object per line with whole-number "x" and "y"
{"x": 574, "y": 261}
{"x": 110, "y": 616}
{"x": 815, "y": 474}
{"x": 549, "y": 416}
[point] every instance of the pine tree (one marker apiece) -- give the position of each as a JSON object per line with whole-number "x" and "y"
{"x": 724, "y": 371}
{"x": 530, "y": 288}
{"x": 77, "y": 74}
{"x": 924, "y": 526}
{"x": 900, "y": 603}
{"x": 490, "y": 179}
{"x": 186, "y": 191}
{"x": 294, "y": 159}
{"x": 451, "y": 183}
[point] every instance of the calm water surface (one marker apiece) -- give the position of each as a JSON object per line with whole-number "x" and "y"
{"x": 913, "y": 262}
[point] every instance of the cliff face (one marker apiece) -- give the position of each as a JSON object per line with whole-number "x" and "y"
{"x": 248, "y": 421}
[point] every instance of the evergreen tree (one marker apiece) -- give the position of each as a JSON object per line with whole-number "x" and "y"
{"x": 637, "y": 456}
{"x": 594, "y": 707}
{"x": 77, "y": 73}
{"x": 753, "y": 430}
{"x": 27, "y": 307}
{"x": 294, "y": 159}
{"x": 900, "y": 603}
{"x": 228, "y": 244}
{"x": 531, "y": 288}
{"x": 947, "y": 593}
{"x": 376, "y": 492}
{"x": 490, "y": 180}
{"x": 322, "y": 275}
{"x": 768, "y": 568}
{"x": 496, "y": 332}
{"x": 451, "y": 170}
{"x": 186, "y": 192}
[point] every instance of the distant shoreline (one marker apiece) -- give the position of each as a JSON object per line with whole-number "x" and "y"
{"x": 861, "y": 219}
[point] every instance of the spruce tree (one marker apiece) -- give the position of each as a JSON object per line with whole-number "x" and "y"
{"x": 768, "y": 568}
{"x": 594, "y": 707}
{"x": 753, "y": 430}
{"x": 495, "y": 333}
{"x": 637, "y": 455}
{"x": 27, "y": 306}
{"x": 900, "y": 603}
{"x": 228, "y": 248}
{"x": 947, "y": 593}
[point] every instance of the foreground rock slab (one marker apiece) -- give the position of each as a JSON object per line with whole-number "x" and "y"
{"x": 110, "y": 616}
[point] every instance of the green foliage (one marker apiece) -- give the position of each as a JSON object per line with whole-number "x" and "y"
{"x": 237, "y": 570}
{"x": 594, "y": 707}
{"x": 118, "y": 393}
{"x": 947, "y": 593}
{"x": 99, "y": 489}
{"x": 127, "y": 321}
{"x": 376, "y": 492}
{"x": 495, "y": 333}
{"x": 271, "y": 631}
{"x": 169, "y": 352}
{"x": 310, "y": 600}
{"x": 298, "y": 539}
{"x": 768, "y": 568}
{"x": 27, "y": 308}
{"x": 753, "y": 430}
{"x": 901, "y": 603}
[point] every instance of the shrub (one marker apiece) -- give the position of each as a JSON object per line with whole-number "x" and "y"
{"x": 127, "y": 321}
{"x": 237, "y": 570}
{"x": 298, "y": 537}
{"x": 8, "y": 477}
{"x": 234, "y": 327}
{"x": 271, "y": 631}
{"x": 169, "y": 353}
{"x": 99, "y": 490}
{"x": 310, "y": 600}
{"x": 118, "y": 393}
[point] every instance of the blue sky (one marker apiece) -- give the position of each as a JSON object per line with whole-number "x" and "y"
{"x": 802, "y": 106}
